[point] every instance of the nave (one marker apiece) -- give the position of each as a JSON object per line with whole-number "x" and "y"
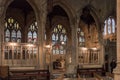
{"x": 49, "y": 39}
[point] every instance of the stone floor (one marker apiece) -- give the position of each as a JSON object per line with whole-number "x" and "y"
{"x": 60, "y": 75}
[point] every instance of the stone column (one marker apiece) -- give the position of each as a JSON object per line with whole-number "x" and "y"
{"x": 117, "y": 69}
{"x": 101, "y": 42}
{"x": 71, "y": 67}
{"x": 1, "y": 32}
{"x": 41, "y": 20}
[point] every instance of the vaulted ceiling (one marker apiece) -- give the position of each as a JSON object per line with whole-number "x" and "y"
{"x": 22, "y": 5}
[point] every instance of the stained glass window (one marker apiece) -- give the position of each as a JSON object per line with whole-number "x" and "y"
{"x": 7, "y": 35}
{"x": 32, "y": 33}
{"x": 81, "y": 38}
{"x": 12, "y": 30}
{"x": 19, "y": 36}
{"x": 59, "y": 36}
{"x": 109, "y": 27}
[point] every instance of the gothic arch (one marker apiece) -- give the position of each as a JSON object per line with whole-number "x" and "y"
{"x": 31, "y": 3}
{"x": 70, "y": 12}
{"x": 99, "y": 24}
{"x": 35, "y": 8}
{"x": 93, "y": 13}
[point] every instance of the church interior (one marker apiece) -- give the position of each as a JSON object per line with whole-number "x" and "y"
{"x": 59, "y": 39}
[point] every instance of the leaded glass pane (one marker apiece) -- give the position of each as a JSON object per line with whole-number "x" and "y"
{"x": 109, "y": 22}
{"x": 29, "y": 36}
{"x": 35, "y": 36}
{"x": 81, "y": 39}
{"x": 61, "y": 51}
{"x": 58, "y": 36}
{"x": 109, "y": 26}
{"x": 18, "y": 36}
{"x": 12, "y": 26}
{"x": 113, "y": 26}
{"x": 65, "y": 38}
{"x": 109, "y": 29}
{"x": 33, "y": 32}
{"x": 61, "y": 38}
{"x": 13, "y": 36}
{"x": 53, "y": 37}
{"x": 7, "y": 35}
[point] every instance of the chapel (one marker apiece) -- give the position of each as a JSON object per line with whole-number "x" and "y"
{"x": 59, "y": 39}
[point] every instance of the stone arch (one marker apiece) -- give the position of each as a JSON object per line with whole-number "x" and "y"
{"x": 35, "y": 8}
{"x": 93, "y": 13}
{"x": 6, "y": 3}
{"x": 99, "y": 24}
{"x": 70, "y": 12}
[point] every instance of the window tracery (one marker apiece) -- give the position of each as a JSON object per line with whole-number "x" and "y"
{"x": 32, "y": 33}
{"x": 12, "y": 30}
{"x": 109, "y": 27}
{"x": 59, "y": 39}
{"x": 81, "y": 38}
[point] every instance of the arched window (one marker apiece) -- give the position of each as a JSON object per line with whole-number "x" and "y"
{"x": 32, "y": 33}
{"x": 81, "y": 38}
{"x": 12, "y": 30}
{"x": 59, "y": 40}
{"x": 109, "y": 27}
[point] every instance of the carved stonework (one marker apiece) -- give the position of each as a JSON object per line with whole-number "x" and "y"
{"x": 1, "y": 11}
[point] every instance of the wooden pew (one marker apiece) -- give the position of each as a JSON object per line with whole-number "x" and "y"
{"x": 90, "y": 71}
{"x": 4, "y": 72}
{"x": 29, "y": 75}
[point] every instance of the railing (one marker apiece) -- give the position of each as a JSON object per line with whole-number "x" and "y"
{"x": 88, "y": 56}
{"x": 19, "y": 54}
{"x": 29, "y": 75}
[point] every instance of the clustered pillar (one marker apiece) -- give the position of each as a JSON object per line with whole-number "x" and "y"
{"x": 117, "y": 70}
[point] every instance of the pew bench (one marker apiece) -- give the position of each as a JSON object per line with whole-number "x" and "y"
{"x": 29, "y": 75}
{"x": 89, "y": 72}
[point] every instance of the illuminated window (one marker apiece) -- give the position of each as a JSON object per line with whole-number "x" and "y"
{"x": 59, "y": 40}
{"x": 32, "y": 33}
{"x": 81, "y": 38}
{"x": 109, "y": 27}
{"x": 12, "y": 30}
